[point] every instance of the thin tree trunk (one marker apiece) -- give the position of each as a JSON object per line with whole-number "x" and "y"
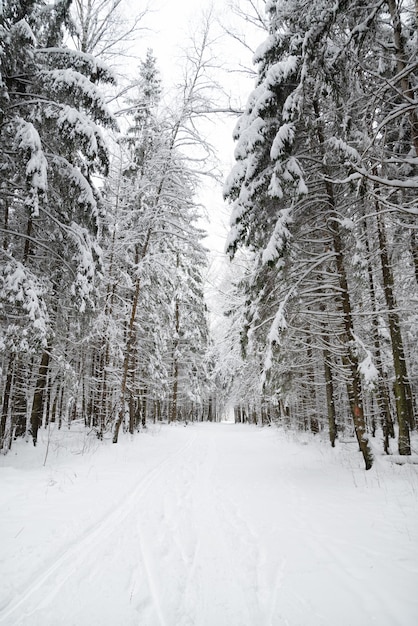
{"x": 173, "y": 415}
{"x": 131, "y": 332}
{"x": 26, "y": 249}
{"x": 403, "y": 396}
{"x": 350, "y": 359}
{"x": 5, "y": 445}
{"x": 60, "y": 405}
{"x": 414, "y": 252}
{"x": 401, "y": 65}
{"x": 329, "y": 389}
{"x": 127, "y": 359}
{"x": 131, "y": 413}
{"x": 144, "y": 406}
{"x": 38, "y": 398}
{"x": 311, "y": 419}
{"x": 383, "y": 396}
{"x": 6, "y": 224}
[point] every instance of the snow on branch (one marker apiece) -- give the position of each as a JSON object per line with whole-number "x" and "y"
{"x": 76, "y": 184}
{"x": 83, "y": 285}
{"x": 74, "y": 125}
{"x": 19, "y": 285}
{"x": 29, "y": 144}
{"x": 410, "y": 183}
{"x": 23, "y": 32}
{"x": 343, "y": 147}
{"x": 282, "y": 140}
{"x": 264, "y": 48}
{"x": 285, "y": 172}
{"x": 86, "y": 64}
{"x": 278, "y": 241}
{"x": 366, "y": 367}
{"x": 250, "y": 137}
{"x": 278, "y": 326}
{"x": 279, "y": 72}
{"x": 64, "y": 82}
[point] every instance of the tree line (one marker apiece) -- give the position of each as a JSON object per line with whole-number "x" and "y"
{"x": 103, "y": 317}
{"x": 324, "y": 219}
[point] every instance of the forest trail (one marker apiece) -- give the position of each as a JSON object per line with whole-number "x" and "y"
{"x": 208, "y": 525}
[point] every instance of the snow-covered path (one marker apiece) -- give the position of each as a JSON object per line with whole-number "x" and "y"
{"x": 209, "y": 525}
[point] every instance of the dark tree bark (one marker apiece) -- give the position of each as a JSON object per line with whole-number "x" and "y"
{"x": 350, "y": 359}
{"x": 403, "y": 394}
{"x": 38, "y": 398}
{"x": 173, "y": 415}
{"x": 6, "y": 403}
{"x": 382, "y": 392}
{"x": 329, "y": 389}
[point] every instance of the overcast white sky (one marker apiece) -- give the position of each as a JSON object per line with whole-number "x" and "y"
{"x": 171, "y": 25}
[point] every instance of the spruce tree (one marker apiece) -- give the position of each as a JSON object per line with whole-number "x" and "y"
{"x": 51, "y": 146}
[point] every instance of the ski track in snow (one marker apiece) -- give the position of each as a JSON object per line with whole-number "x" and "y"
{"x": 237, "y": 527}
{"x": 67, "y": 564}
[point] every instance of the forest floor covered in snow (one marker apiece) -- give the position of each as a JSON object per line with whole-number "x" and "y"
{"x": 205, "y": 525}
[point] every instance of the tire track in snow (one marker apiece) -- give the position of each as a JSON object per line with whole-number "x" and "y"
{"x": 67, "y": 564}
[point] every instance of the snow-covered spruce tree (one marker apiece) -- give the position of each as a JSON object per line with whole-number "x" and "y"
{"x": 51, "y": 145}
{"x": 328, "y": 94}
{"x": 376, "y": 148}
{"x": 300, "y": 278}
{"x": 123, "y": 234}
{"x": 165, "y": 314}
{"x": 190, "y": 333}
{"x": 380, "y": 147}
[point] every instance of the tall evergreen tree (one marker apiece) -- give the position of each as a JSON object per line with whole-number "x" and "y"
{"x": 52, "y": 145}
{"x": 302, "y": 144}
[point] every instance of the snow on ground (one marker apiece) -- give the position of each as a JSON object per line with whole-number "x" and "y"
{"x": 205, "y": 525}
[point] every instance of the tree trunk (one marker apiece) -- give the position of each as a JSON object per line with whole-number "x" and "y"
{"x": 414, "y": 252}
{"x": 38, "y": 398}
{"x": 401, "y": 66}
{"x": 131, "y": 405}
{"x": 144, "y": 407}
{"x": 131, "y": 333}
{"x": 5, "y": 444}
{"x": 329, "y": 388}
{"x": 350, "y": 360}
{"x": 403, "y": 395}
{"x": 383, "y": 395}
{"x": 173, "y": 415}
{"x": 127, "y": 359}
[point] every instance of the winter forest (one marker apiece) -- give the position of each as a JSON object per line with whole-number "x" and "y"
{"x": 248, "y": 386}
{"x": 104, "y": 318}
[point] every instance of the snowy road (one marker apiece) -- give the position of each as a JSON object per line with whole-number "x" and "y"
{"x": 209, "y": 525}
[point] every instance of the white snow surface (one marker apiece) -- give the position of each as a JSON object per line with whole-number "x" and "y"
{"x": 205, "y": 525}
